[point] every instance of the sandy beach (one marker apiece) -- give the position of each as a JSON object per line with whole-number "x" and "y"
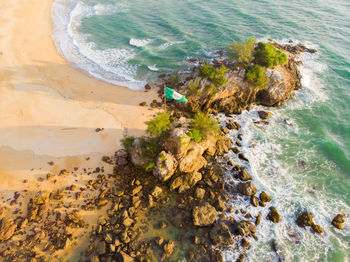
{"x": 50, "y": 110}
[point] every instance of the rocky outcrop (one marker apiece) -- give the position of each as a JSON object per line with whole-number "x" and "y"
{"x": 185, "y": 181}
{"x": 247, "y": 188}
{"x": 137, "y": 155}
{"x": 338, "y": 221}
{"x": 166, "y": 165}
{"x": 220, "y": 235}
{"x": 7, "y": 229}
{"x": 204, "y": 215}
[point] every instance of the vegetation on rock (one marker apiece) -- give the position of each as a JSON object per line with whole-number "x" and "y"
{"x": 194, "y": 87}
{"x": 242, "y": 53}
{"x": 267, "y": 55}
{"x": 214, "y": 75}
{"x": 174, "y": 79}
{"x": 205, "y": 125}
{"x": 255, "y": 74}
{"x": 158, "y": 125}
{"x": 195, "y": 135}
{"x": 127, "y": 142}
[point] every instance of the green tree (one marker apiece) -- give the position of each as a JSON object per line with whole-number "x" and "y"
{"x": 255, "y": 74}
{"x": 242, "y": 53}
{"x": 157, "y": 126}
{"x": 205, "y": 124}
{"x": 214, "y": 75}
{"x": 267, "y": 55}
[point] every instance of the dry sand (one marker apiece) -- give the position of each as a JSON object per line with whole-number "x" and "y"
{"x": 50, "y": 110}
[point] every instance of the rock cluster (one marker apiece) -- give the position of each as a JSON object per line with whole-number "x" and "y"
{"x": 305, "y": 220}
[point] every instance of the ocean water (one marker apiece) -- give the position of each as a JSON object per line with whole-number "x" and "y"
{"x": 131, "y": 42}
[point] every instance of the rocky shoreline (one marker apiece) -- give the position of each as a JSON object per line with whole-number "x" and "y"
{"x": 177, "y": 208}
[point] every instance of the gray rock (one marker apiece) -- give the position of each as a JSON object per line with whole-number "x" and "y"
{"x": 101, "y": 248}
{"x": 264, "y": 115}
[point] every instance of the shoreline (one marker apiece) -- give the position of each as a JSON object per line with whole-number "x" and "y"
{"x": 51, "y": 110}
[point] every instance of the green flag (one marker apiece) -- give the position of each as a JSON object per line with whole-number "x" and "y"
{"x": 172, "y": 94}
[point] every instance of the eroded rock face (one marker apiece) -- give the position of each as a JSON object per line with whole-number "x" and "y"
{"x": 220, "y": 235}
{"x": 246, "y": 228}
{"x": 7, "y": 229}
{"x": 166, "y": 165}
{"x": 204, "y": 215}
{"x": 178, "y": 143}
{"x": 185, "y": 181}
{"x": 223, "y": 146}
{"x": 247, "y": 188}
{"x": 138, "y": 158}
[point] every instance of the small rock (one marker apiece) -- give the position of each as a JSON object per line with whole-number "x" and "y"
{"x": 101, "y": 248}
{"x": 254, "y": 201}
{"x": 257, "y": 220}
{"x": 200, "y": 193}
{"x": 7, "y": 229}
{"x": 247, "y": 188}
{"x": 142, "y": 104}
{"x": 157, "y": 191}
{"x": 246, "y": 228}
{"x": 225, "y": 130}
{"x": 264, "y": 115}
{"x": 136, "y": 190}
{"x": 305, "y": 219}
{"x": 242, "y": 157}
{"x": 316, "y": 228}
{"x": 273, "y": 215}
{"x": 168, "y": 249}
{"x": 264, "y": 197}
{"x": 123, "y": 257}
{"x": 216, "y": 255}
{"x": 338, "y": 221}
{"x": 244, "y": 175}
{"x": 245, "y": 243}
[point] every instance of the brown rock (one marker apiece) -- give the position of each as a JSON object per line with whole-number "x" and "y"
{"x": 338, "y": 221}
{"x": 258, "y": 218}
{"x": 246, "y": 228}
{"x": 247, "y": 188}
{"x": 273, "y": 215}
{"x": 123, "y": 257}
{"x": 156, "y": 191}
{"x": 7, "y": 229}
{"x": 168, "y": 249}
{"x": 305, "y": 219}
{"x": 316, "y": 228}
{"x": 166, "y": 165}
{"x": 264, "y": 115}
{"x": 244, "y": 175}
{"x": 254, "y": 201}
{"x": 200, "y": 193}
{"x": 220, "y": 235}
{"x": 216, "y": 255}
{"x": 204, "y": 215}
{"x": 264, "y": 197}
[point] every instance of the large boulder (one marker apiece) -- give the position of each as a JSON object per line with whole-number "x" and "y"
{"x": 123, "y": 257}
{"x": 204, "y": 215}
{"x": 185, "y": 181}
{"x": 305, "y": 219}
{"x": 7, "y": 229}
{"x": 246, "y": 228}
{"x": 223, "y": 145}
{"x": 244, "y": 175}
{"x": 247, "y": 188}
{"x": 220, "y": 235}
{"x": 166, "y": 165}
{"x": 273, "y": 215}
{"x": 192, "y": 161}
{"x": 338, "y": 221}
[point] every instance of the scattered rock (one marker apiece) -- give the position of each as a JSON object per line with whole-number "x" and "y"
{"x": 204, "y": 215}
{"x": 264, "y": 197}
{"x": 156, "y": 191}
{"x": 142, "y": 104}
{"x": 305, "y": 219}
{"x": 242, "y": 157}
{"x": 123, "y": 257}
{"x": 338, "y": 221}
{"x": 247, "y": 188}
{"x": 200, "y": 193}
{"x": 168, "y": 249}
{"x": 264, "y": 115}
{"x": 244, "y": 175}
{"x": 254, "y": 201}
{"x": 273, "y": 215}
{"x": 257, "y": 220}
{"x": 246, "y": 228}
{"x": 220, "y": 235}
{"x": 316, "y": 228}
{"x": 225, "y": 130}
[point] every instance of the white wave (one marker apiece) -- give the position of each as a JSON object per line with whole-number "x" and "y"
{"x": 108, "y": 9}
{"x": 139, "y": 42}
{"x": 153, "y": 68}
{"x": 168, "y": 44}
{"x": 109, "y": 65}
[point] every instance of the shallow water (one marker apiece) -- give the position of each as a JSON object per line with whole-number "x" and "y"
{"x": 129, "y": 43}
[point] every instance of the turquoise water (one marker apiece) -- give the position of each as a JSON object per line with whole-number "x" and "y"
{"x": 130, "y": 42}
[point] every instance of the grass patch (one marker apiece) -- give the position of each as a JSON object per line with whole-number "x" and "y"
{"x": 214, "y": 75}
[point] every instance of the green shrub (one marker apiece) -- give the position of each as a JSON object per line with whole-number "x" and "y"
{"x": 174, "y": 79}
{"x": 267, "y": 55}
{"x": 150, "y": 166}
{"x": 205, "y": 124}
{"x": 255, "y": 74}
{"x": 150, "y": 147}
{"x": 214, "y": 75}
{"x": 194, "y": 87}
{"x": 242, "y": 53}
{"x": 128, "y": 142}
{"x": 195, "y": 135}
{"x": 157, "y": 126}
